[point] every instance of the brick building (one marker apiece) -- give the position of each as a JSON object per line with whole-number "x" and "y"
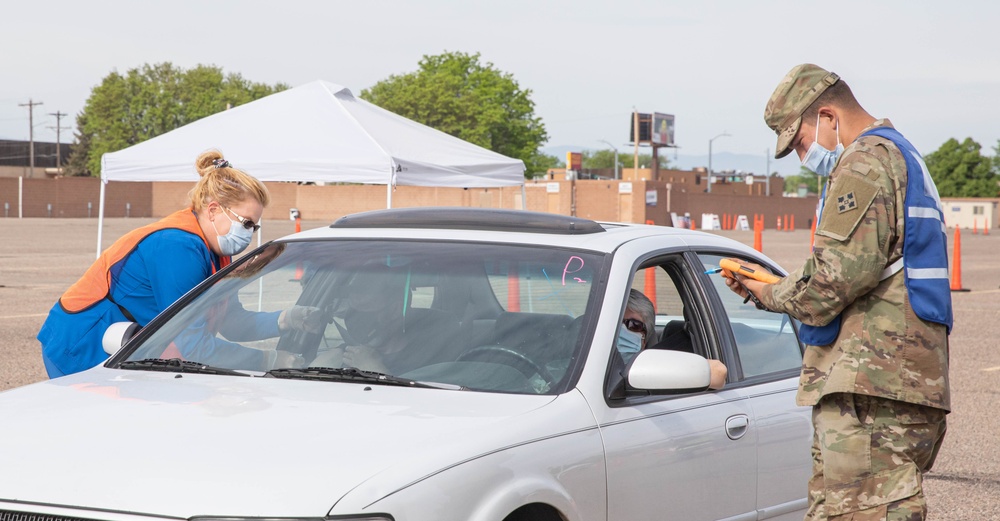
{"x": 635, "y": 201}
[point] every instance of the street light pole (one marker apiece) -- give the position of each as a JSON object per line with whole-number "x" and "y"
{"x": 724, "y": 133}
{"x": 616, "y": 155}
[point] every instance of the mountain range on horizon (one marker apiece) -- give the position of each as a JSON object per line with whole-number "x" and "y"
{"x": 721, "y": 161}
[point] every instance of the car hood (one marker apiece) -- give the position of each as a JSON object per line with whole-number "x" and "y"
{"x": 185, "y": 445}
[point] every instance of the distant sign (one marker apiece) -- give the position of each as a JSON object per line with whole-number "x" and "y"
{"x": 624, "y": 188}
{"x": 663, "y": 129}
{"x": 654, "y": 129}
{"x": 644, "y": 121}
{"x": 749, "y": 179}
{"x": 574, "y": 161}
{"x": 651, "y": 197}
{"x": 552, "y": 188}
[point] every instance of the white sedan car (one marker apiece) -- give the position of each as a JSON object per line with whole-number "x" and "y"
{"x": 431, "y": 364}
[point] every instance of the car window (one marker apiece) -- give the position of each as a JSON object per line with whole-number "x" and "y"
{"x": 492, "y": 317}
{"x": 678, "y": 323}
{"x": 766, "y": 342}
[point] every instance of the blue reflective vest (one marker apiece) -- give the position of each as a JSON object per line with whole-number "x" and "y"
{"x": 925, "y": 247}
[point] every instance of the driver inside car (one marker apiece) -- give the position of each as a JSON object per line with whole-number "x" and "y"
{"x": 638, "y": 332}
{"x": 373, "y": 323}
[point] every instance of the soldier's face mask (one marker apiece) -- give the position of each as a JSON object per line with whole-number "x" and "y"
{"x": 819, "y": 159}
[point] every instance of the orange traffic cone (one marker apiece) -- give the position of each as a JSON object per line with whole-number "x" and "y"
{"x": 513, "y": 290}
{"x": 974, "y": 223}
{"x": 956, "y": 265}
{"x": 791, "y": 222}
{"x": 649, "y": 288}
{"x": 986, "y": 227}
{"x": 298, "y": 225}
{"x": 758, "y": 240}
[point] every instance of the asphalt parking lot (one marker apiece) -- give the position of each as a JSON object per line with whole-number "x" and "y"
{"x": 40, "y": 258}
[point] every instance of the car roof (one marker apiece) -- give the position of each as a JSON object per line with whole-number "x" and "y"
{"x": 504, "y": 226}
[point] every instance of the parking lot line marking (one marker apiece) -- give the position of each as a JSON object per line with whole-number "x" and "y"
{"x": 25, "y": 316}
{"x": 997, "y": 368}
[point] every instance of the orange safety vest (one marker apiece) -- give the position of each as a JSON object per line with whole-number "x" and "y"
{"x": 95, "y": 284}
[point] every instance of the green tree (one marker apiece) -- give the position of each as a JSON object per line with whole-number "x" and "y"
{"x": 960, "y": 170}
{"x": 806, "y": 177}
{"x": 605, "y": 158}
{"x": 457, "y": 94}
{"x": 546, "y": 161}
{"x": 151, "y": 100}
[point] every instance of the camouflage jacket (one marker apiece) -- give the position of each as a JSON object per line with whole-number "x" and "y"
{"x": 883, "y": 349}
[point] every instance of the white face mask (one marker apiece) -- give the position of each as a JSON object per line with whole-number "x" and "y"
{"x": 819, "y": 159}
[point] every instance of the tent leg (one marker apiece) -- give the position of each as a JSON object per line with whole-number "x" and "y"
{"x": 100, "y": 218}
{"x": 388, "y": 194}
{"x": 524, "y": 197}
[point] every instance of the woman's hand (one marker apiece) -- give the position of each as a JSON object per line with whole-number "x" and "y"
{"x": 303, "y": 318}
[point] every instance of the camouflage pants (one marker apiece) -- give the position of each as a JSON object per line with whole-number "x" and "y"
{"x": 868, "y": 458}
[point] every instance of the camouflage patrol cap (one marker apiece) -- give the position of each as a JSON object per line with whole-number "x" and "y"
{"x": 797, "y": 90}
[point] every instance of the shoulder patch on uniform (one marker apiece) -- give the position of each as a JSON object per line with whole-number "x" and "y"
{"x": 846, "y": 202}
{"x": 846, "y": 205}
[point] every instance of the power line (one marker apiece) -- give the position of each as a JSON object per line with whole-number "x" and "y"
{"x": 31, "y": 132}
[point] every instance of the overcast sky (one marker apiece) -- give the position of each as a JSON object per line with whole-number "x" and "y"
{"x": 933, "y": 67}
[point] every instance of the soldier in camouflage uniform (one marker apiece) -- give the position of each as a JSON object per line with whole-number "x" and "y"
{"x": 879, "y": 391}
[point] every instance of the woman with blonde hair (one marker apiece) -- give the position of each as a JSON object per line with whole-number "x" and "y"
{"x": 149, "y": 268}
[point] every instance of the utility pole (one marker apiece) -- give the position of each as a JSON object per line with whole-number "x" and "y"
{"x": 31, "y": 132}
{"x": 635, "y": 138}
{"x": 58, "y": 127}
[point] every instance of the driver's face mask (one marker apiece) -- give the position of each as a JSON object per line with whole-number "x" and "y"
{"x": 629, "y": 342}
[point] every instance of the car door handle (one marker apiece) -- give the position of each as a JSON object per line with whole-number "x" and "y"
{"x": 737, "y": 426}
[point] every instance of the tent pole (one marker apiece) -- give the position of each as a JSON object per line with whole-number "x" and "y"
{"x": 524, "y": 197}
{"x": 100, "y": 218}
{"x": 388, "y": 186}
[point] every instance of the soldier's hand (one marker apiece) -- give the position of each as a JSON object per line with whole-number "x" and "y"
{"x": 740, "y": 284}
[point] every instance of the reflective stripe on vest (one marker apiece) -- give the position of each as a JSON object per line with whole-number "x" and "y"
{"x": 95, "y": 284}
{"x": 925, "y": 247}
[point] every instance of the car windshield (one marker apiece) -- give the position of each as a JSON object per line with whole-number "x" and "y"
{"x": 492, "y": 317}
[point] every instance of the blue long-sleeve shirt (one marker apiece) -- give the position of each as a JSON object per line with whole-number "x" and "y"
{"x": 163, "y": 267}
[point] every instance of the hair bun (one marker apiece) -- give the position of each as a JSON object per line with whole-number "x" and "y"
{"x": 208, "y": 161}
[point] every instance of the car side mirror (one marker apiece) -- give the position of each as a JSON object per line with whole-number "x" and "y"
{"x": 660, "y": 371}
{"x": 117, "y": 335}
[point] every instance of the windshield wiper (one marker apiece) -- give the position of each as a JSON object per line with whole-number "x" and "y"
{"x": 176, "y": 365}
{"x": 353, "y": 374}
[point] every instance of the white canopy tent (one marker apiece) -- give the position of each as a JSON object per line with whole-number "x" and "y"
{"x": 315, "y": 132}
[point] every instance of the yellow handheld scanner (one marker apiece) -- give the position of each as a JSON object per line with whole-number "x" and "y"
{"x": 734, "y": 267}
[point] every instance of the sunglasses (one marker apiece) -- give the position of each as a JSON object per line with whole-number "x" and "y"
{"x": 635, "y": 326}
{"x": 247, "y": 223}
